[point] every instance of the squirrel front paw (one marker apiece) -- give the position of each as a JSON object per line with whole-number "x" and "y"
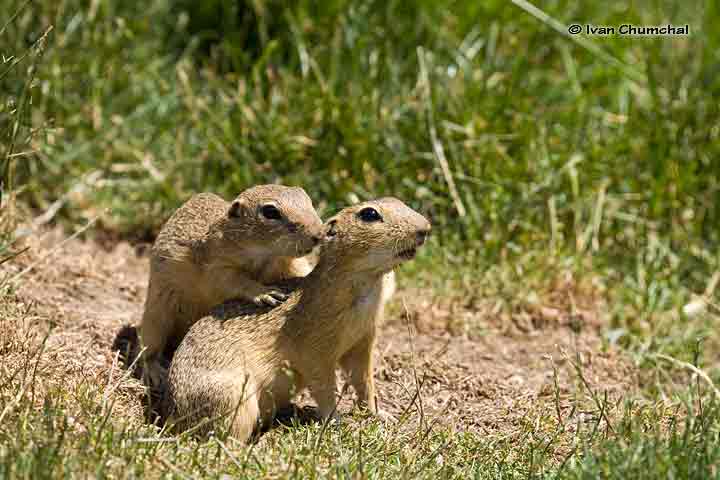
{"x": 271, "y": 297}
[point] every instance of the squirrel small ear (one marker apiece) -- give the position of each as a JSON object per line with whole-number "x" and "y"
{"x": 236, "y": 208}
{"x": 330, "y": 230}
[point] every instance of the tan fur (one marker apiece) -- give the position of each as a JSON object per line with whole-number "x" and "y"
{"x": 242, "y": 363}
{"x": 211, "y": 251}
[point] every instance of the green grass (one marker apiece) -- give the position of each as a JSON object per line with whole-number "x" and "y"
{"x": 558, "y": 159}
{"x": 345, "y": 110}
{"x": 688, "y": 450}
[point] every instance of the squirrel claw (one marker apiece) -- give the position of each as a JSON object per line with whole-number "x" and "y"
{"x": 278, "y": 295}
{"x": 272, "y": 298}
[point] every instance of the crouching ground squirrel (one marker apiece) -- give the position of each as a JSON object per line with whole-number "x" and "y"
{"x": 241, "y": 364}
{"x": 211, "y": 251}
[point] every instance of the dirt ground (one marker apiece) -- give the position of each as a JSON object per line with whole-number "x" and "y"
{"x": 494, "y": 380}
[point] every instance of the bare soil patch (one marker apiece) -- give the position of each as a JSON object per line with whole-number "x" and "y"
{"x": 495, "y": 382}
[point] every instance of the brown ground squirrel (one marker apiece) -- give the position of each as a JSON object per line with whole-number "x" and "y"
{"x": 241, "y": 364}
{"x": 210, "y": 251}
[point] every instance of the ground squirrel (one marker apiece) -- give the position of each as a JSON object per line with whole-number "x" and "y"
{"x": 211, "y": 251}
{"x": 242, "y": 363}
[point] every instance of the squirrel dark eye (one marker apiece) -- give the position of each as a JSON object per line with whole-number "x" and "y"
{"x": 369, "y": 214}
{"x": 271, "y": 212}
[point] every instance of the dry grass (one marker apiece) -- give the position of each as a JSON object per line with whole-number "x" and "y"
{"x": 539, "y": 383}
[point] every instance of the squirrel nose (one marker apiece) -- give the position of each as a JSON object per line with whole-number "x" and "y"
{"x": 315, "y": 240}
{"x": 421, "y": 236}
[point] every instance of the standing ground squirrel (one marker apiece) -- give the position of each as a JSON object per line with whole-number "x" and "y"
{"x": 211, "y": 251}
{"x": 241, "y": 364}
